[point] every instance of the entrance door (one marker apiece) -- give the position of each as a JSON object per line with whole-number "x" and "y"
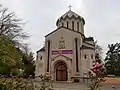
{"x": 61, "y": 72}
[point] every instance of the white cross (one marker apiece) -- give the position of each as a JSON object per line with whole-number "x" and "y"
{"x": 69, "y": 7}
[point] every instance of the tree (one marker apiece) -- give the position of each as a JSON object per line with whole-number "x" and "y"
{"x": 28, "y": 61}
{"x": 11, "y": 35}
{"x": 112, "y": 60}
{"x": 10, "y": 57}
{"x": 98, "y": 51}
{"x": 96, "y": 75}
{"x": 11, "y": 26}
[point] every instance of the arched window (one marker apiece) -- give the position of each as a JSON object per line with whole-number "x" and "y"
{"x": 67, "y": 24}
{"x": 40, "y": 57}
{"x": 92, "y": 56}
{"x": 77, "y": 26}
{"x": 73, "y": 25}
{"x": 85, "y": 56}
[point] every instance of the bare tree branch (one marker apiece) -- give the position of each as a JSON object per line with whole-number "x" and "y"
{"x": 11, "y": 26}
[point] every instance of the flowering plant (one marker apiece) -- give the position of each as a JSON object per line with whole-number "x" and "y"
{"x": 97, "y": 75}
{"x": 15, "y": 83}
{"x": 19, "y": 83}
{"x": 45, "y": 82}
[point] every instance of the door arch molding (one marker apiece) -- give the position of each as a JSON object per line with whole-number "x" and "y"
{"x": 61, "y": 71}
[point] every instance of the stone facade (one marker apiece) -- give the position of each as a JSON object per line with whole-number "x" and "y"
{"x": 67, "y": 53}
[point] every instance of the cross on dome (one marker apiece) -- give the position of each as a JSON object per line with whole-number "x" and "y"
{"x": 69, "y": 7}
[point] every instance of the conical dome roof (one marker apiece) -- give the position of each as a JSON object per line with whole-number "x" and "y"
{"x": 70, "y": 14}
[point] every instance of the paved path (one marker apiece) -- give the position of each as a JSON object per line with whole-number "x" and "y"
{"x": 78, "y": 86}
{"x": 112, "y": 80}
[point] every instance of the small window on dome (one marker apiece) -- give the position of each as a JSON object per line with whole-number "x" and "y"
{"x": 73, "y": 25}
{"x": 85, "y": 56}
{"x": 67, "y": 25}
{"x": 78, "y": 26}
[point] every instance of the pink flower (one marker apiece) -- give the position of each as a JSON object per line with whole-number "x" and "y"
{"x": 91, "y": 73}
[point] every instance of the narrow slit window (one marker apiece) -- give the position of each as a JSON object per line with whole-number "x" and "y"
{"x": 73, "y": 25}
{"x": 85, "y": 56}
{"x": 48, "y": 56}
{"x": 77, "y": 69}
{"x": 92, "y": 56}
{"x": 77, "y": 26}
{"x": 67, "y": 25}
{"x": 41, "y": 58}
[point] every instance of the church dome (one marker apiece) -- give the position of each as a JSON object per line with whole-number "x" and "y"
{"x": 69, "y": 15}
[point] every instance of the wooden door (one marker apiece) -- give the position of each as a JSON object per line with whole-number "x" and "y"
{"x": 61, "y": 72}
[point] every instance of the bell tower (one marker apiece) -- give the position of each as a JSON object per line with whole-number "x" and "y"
{"x": 71, "y": 20}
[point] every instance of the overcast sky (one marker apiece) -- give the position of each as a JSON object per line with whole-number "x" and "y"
{"x": 102, "y": 18}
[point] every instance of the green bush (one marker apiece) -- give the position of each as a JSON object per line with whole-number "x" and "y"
{"x": 15, "y": 83}
{"x": 18, "y": 83}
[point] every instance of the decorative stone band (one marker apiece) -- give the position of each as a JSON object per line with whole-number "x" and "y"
{"x": 62, "y": 52}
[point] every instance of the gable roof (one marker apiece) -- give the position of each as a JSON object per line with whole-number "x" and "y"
{"x": 41, "y": 50}
{"x": 86, "y": 47}
{"x": 88, "y": 39}
{"x": 62, "y": 56}
{"x": 89, "y": 44}
{"x": 65, "y": 28}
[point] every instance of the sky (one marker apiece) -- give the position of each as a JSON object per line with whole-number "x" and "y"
{"x": 102, "y": 18}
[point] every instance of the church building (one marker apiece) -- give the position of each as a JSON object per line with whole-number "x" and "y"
{"x": 67, "y": 53}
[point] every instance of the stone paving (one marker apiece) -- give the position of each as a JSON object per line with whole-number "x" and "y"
{"x": 112, "y": 80}
{"x": 80, "y": 86}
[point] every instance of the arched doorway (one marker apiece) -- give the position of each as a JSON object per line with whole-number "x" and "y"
{"x": 61, "y": 72}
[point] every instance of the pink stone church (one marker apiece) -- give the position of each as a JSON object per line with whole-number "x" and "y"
{"x": 67, "y": 53}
